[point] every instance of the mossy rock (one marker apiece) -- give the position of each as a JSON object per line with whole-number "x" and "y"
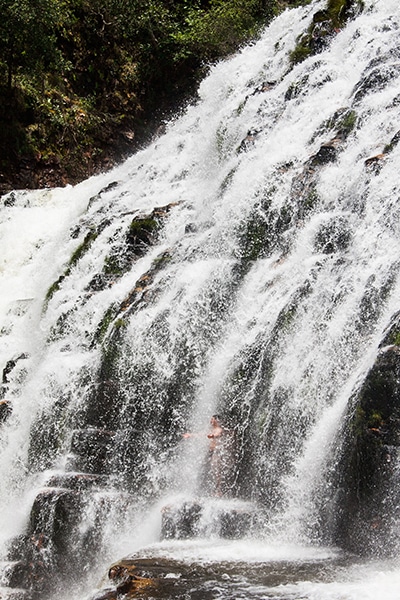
{"x": 341, "y": 124}
{"x": 392, "y": 144}
{"x": 324, "y": 25}
{"x": 375, "y": 79}
{"x": 142, "y": 233}
{"x": 143, "y": 230}
{"x": 296, "y": 87}
{"x": 78, "y": 253}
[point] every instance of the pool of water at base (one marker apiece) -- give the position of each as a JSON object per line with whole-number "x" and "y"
{"x": 250, "y": 570}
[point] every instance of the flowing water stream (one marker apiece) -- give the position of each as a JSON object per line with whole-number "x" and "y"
{"x": 263, "y": 296}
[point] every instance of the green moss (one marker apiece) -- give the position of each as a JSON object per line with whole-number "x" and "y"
{"x": 140, "y": 226}
{"x": 53, "y": 289}
{"x": 296, "y": 88}
{"x": 359, "y": 421}
{"x": 241, "y": 106}
{"x": 120, "y": 323}
{"x": 82, "y": 248}
{"x": 105, "y": 323}
{"x": 335, "y": 16}
{"x": 227, "y": 181}
{"x": 348, "y": 122}
{"x": 141, "y": 233}
{"x": 339, "y": 11}
{"x": 113, "y": 266}
{"x": 374, "y": 419}
{"x": 394, "y": 338}
{"x": 344, "y": 122}
{"x": 393, "y": 143}
{"x": 301, "y": 51}
{"x": 388, "y": 148}
{"x": 76, "y": 256}
{"x": 363, "y": 421}
{"x": 336, "y": 10}
{"x": 162, "y": 259}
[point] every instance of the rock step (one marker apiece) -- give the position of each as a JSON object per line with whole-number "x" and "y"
{"x": 77, "y": 481}
{"x": 54, "y": 542}
{"x": 193, "y": 518}
{"x": 54, "y": 512}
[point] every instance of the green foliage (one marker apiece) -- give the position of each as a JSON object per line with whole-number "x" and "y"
{"x": 28, "y": 36}
{"x": 73, "y": 72}
{"x": 222, "y": 27}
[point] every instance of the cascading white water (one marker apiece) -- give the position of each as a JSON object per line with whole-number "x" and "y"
{"x": 279, "y": 339}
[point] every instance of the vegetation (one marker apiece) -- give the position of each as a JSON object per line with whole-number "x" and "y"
{"x": 325, "y": 23}
{"x": 81, "y": 79}
{"x": 84, "y": 82}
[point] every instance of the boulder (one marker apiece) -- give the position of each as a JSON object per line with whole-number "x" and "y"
{"x": 150, "y": 578}
{"x": 128, "y": 578}
{"x": 54, "y": 514}
{"x": 193, "y": 518}
{"x": 182, "y": 521}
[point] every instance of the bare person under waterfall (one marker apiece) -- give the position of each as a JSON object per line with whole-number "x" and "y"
{"x": 220, "y": 455}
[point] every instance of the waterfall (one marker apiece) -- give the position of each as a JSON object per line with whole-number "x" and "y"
{"x": 244, "y": 264}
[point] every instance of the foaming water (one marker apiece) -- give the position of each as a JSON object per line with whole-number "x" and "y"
{"x": 261, "y": 570}
{"x": 264, "y": 295}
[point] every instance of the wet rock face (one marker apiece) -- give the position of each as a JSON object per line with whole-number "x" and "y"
{"x": 375, "y": 79}
{"x": 333, "y": 236}
{"x": 6, "y": 378}
{"x": 187, "y": 520}
{"x": 54, "y": 513}
{"x": 5, "y": 410}
{"x": 53, "y": 547}
{"x": 90, "y": 449}
{"x": 325, "y": 24}
{"x": 369, "y": 472}
{"x": 30, "y": 565}
{"x": 142, "y": 233}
